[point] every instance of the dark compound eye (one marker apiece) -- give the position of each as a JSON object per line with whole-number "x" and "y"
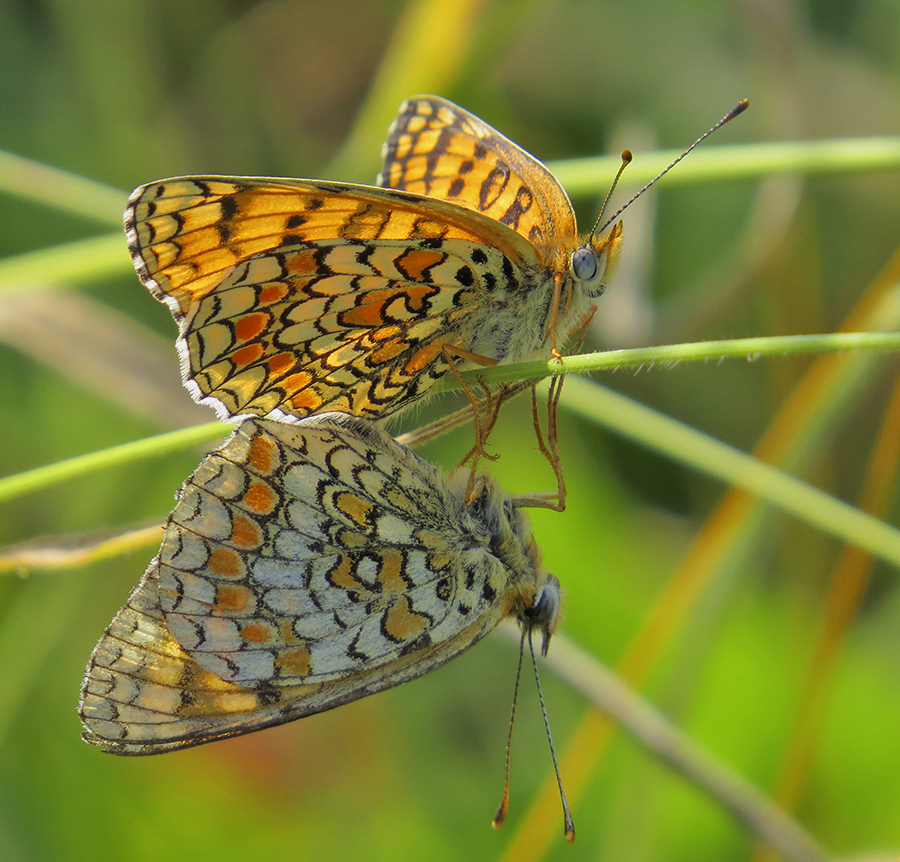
{"x": 584, "y": 264}
{"x": 545, "y": 607}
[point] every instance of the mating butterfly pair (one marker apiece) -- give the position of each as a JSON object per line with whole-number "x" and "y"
{"x": 312, "y": 561}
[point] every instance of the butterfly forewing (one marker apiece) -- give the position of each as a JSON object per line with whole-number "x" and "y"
{"x": 436, "y": 148}
{"x": 187, "y": 232}
{"x": 304, "y": 566}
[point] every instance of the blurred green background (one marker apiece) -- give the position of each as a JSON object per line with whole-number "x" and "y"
{"x": 127, "y": 91}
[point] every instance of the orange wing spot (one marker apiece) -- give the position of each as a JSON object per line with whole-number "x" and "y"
{"x": 226, "y": 563}
{"x": 387, "y": 352}
{"x": 294, "y": 661}
{"x": 272, "y": 293}
{"x": 281, "y": 363}
{"x": 439, "y": 561}
{"x": 401, "y": 501}
{"x": 301, "y": 262}
{"x": 416, "y": 261}
{"x": 384, "y": 333}
{"x": 341, "y": 575}
{"x": 286, "y": 633}
{"x": 415, "y": 297}
{"x": 259, "y": 497}
{"x": 306, "y": 399}
{"x": 300, "y": 380}
{"x": 424, "y": 356}
{"x": 391, "y": 570}
{"x": 255, "y": 633}
{"x": 429, "y": 539}
{"x": 354, "y": 508}
{"x": 349, "y": 539}
{"x": 402, "y": 623}
{"x": 379, "y": 297}
{"x": 198, "y": 241}
{"x": 244, "y": 532}
{"x": 247, "y": 354}
{"x": 231, "y": 701}
{"x": 232, "y": 598}
{"x": 205, "y": 690}
{"x": 251, "y": 325}
{"x": 370, "y": 314}
{"x": 261, "y": 455}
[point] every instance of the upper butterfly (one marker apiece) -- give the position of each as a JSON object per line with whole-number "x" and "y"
{"x": 295, "y": 297}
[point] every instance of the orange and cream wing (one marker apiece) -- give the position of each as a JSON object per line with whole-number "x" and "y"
{"x": 437, "y": 148}
{"x": 305, "y": 565}
{"x": 296, "y": 297}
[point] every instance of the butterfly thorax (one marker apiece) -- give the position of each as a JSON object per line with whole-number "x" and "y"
{"x": 509, "y": 541}
{"x": 515, "y": 322}
{"x": 534, "y": 595}
{"x": 512, "y": 327}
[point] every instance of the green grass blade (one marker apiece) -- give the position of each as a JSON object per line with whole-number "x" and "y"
{"x": 698, "y": 450}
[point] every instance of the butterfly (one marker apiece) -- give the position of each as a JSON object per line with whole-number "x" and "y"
{"x": 306, "y": 565}
{"x": 295, "y": 297}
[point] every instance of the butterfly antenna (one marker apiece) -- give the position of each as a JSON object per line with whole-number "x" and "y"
{"x": 627, "y": 156}
{"x": 500, "y": 816}
{"x": 568, "y": 823}
{"x": 739, "y": 108}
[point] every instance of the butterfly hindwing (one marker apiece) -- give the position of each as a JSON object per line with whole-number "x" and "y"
{"x": 303, "y": 552}
{"x": 305, "y": 565}
{"x": 301, "y": 296}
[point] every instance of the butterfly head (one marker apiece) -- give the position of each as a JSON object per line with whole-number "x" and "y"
{"x": 593, "y": 263}
{"x": 544, "y": 610}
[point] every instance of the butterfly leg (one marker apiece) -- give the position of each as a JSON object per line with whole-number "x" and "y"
{"x": 550, "y": 447}
{"x": 553, "y": 320}
{"x": 420, "y": 436}
{"x": 580, "y": 330}
{"x": 480, "y": 436}
{"x": 492, "y": 403}
{"x": 484, "y": 423}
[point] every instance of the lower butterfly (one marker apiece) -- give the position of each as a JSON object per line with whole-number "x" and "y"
{"x": 304, "y": 566}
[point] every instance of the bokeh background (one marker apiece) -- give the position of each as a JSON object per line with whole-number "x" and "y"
{"x": 782, "y": 665}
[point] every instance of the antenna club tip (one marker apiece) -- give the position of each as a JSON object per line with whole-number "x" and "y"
{"x": 570, "y": 836}
{"x": 627, "y": 156}
{"x": 739, "y": 108}
{"x": 500, "y": 816}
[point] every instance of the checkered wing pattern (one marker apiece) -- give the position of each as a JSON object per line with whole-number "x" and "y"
{"x": 305, "y": 565}
{"x": 438, "y": 149}
{"x": 296, "y": 297}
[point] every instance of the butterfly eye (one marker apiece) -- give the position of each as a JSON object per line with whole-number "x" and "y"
{"x": 544, "y": 611}
{"x": 584, "y": 264}
{"x": 545, "y": 608}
